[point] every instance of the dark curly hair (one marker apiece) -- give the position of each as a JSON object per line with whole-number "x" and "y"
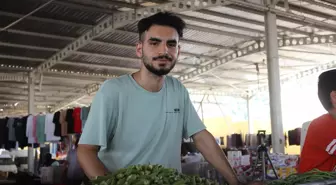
{"x": 327, "y": 84}
{"x": 163, "y": 19}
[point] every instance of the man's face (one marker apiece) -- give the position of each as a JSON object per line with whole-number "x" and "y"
{"x": 333, "y": 98}
{"x": 159, "y": 49}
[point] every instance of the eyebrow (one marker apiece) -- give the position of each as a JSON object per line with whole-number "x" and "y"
{"x": 153, "y": 39}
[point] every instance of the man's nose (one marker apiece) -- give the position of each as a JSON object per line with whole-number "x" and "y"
{"x": 163, "y": 48}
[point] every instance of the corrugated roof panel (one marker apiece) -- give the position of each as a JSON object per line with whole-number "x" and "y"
{"x": 224, "y": 20}
{"x": 221, "y": 28}
{"x": 29, "y": 40}
{"x": 50, "y": 28}
{"x": 119, "y": 38}
{"x": 63, "y": 12}
{"x": 102, "y": 60}
{"x": 238, "y": 13}
{"x": 211, "y": 38}
{"x": 24, "y": 6}
{"x": 24, "y": 52}
{"x": 196, "y": 48}
{"x": 109, "y": 50}
{"x": 56, "y": 10}
{"x": 131, "y": 27}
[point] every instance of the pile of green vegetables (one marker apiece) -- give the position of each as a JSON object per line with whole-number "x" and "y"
{"x": 312, "y": 176}
{"x": 150, "y": 175}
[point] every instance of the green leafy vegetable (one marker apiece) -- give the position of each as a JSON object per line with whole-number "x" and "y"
{"x": 150, "y": 175}
{"x": 312, "y": 176}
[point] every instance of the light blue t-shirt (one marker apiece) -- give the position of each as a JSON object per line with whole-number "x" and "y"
{"x": 134, "y": 126}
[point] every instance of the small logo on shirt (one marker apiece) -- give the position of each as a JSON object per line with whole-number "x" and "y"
{"x": 175, "y": 111}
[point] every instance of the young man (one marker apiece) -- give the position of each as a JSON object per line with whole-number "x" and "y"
{"x": 319, "y": 150}
{"x": 141, "y": 118}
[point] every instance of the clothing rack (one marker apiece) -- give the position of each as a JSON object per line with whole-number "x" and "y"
{"x": 33, "y": 131}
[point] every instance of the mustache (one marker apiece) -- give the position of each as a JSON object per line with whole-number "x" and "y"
{"x": 166, "y": 57}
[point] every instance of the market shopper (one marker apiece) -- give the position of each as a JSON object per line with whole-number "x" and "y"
{"x": 319, "y": 150}
{"x": 141, "y": 118}
{"x": 75, "y": 174}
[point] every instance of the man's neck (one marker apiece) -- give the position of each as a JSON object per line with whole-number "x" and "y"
{"x": 333, "y": 113}
{"x": 149, "y": 81}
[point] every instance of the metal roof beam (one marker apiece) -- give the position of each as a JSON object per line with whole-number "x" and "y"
{"x": 256, "y": 48}
{"x": 251, "y": 21}
{"x": 220, "y": 32}
{"x": 24, "y": 97}
{"x": 301, "y": 9}
{"x": 195, "y": 27}
{"x": 90, "y": 53}
{"x": 75, "y": 64}
{"x": 22, "y": 87}
{"x": 119, "y": 20}
{"x": 45, "y": 92}
{"x": 44, "y": 35}
{"x": 226, "y": 25}
{"x": 281, "y": 14}
{"x": 84, "y": 53}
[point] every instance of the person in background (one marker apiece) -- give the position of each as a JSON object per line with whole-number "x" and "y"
{"x": 319, "y": 149}
{"x": 49, "y": 161}
{"x": 75, "y": 174}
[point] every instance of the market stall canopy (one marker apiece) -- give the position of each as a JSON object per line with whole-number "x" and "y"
{"x": 72, "y": 46}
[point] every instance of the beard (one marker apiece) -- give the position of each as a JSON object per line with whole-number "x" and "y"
{"x": 158, "y": 71}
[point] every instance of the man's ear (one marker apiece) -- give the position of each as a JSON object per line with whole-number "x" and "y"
{"x": 139, "y": 47}
{"x": 333, "y": 97}
{"x": 178, "y": 50}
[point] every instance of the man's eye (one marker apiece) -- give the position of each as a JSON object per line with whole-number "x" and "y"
{"x": 154, "y": 43}
{"x": 171, "y": 44}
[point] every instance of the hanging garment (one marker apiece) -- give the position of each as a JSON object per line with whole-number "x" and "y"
{"x": 11, "y": 130}
{"x": 84, "y": 115}
{"x": 77, "y": 120}
{"x": 35, "y": 129}
{"x": 64, "y": 123}
{"x": 40, "y": 129}
{"x": 233, "y": 141}
{"x": 247, "y": 140}
{"x": 294, "y": 137}
{"x": 70, "y": 121}
{"x": 50, "y": 128}
{"x": 3, "y": 132}
{"x": 56, "y": 121}
{"x": 20, "y": 132}
{"x": 29, "y": 130}
{"x": 237, "y": 140}
{"x": 9, "y": 144}
{"x": 228, "y": 142}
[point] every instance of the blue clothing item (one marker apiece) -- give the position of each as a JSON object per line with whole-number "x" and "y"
{"x": 84, "y": 115}
{"x": 40, "y": 129}
{"x": 134, "y": 126}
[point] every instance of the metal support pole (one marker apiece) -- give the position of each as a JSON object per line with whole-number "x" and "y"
{"x": 274, "y": 81}
{"x": 250, "y": 125}
{"x": 31, "y": 110}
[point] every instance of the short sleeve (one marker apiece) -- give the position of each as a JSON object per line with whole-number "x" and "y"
{"x": 325, "y": 141}
{"x": 100, "y": 122}
{"x": 192, "y": 123}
